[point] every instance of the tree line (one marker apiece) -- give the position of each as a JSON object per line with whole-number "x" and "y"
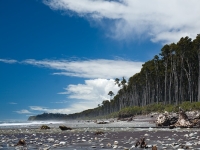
{"x": 171, "y": 77}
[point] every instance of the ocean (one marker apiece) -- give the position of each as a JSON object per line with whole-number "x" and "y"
{"x": 23, "y": 123}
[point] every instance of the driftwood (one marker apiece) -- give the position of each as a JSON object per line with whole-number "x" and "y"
{"x": 154, "y": 147}
{"x": 21, "y": 142}
{"x": 166, "y": 120}
{"x": 98, "y": 133}
{"x": 141, "y": 143}
{"x": 44, "y": 127}
{"x": 65, "y": 128}
{"x": 126, "y": 119}
{"x": 102, "y": 122}
{"x": 181, "y": 121}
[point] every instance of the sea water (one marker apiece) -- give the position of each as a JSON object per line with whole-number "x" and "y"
{"x": 23, "y": 123}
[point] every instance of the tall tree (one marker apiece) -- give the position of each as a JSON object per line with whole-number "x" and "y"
{"x": 197, "y": 45}
{"x": 111, "y": 94}
{"x": 165, "y": 53}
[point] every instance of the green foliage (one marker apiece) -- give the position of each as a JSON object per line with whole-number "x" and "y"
{"x": 153, "y": 108}
{"x": 130, "y": 111}
{"x": 170, "y": 108}
{"x": 190, "y": 106}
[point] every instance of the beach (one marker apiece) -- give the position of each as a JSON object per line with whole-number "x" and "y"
{"x": 88, "y": 135}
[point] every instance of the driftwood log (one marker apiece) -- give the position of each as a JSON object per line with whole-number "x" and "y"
{"x": 65, "y": 128}
{"x": 44, "y": 127}
{"x": 166, "y": 120}
{"x": 141, "y": 143}
{"x": 154, "y": 147}
{"x": 181, "y": 121}
{"x": 98, "y": 133}
{"x": 102, "y": 122}
{"x": 126, "y": 119}
{"x": 21, "y": 142}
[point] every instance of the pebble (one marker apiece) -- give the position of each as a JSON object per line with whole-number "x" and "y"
{"x": 50, "y": 140}
{"x": 188, "y": 144}
{"x": 116, "y": 142}
{"x": 62, "y": 143}
{"x": 46, "y": 148}
{"x": 108, "y": 145}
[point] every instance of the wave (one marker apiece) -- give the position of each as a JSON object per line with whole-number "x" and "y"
{"x": 26, "y": 123}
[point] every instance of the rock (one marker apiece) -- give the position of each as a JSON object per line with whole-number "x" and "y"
{"x": 108, "y": 145}
{"x": 50, "y": 140}
{"x": 154, "y": 147}
{"x": 98, "y": 133}
{"x": 62, "y": 143}
{"x": 64, "y": 128}
{"x": 21, "y": 142}
{"x": 57, "y": 142}
{"x": 44, "y": 127}
{"x": 116, "y": 142}
{"x": 141, "y": 143}
{"x": 46, "y": 148}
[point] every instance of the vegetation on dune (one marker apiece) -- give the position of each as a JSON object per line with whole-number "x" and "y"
{"x": 123, "y": 113}
{"x": 163, "y": 83}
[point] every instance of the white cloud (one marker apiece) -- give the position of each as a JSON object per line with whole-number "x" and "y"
{"x": 38, "y": 108}
{"x": 95, "y": 90}
{"x": 13, "y": 103}
{"x": 99, "y": 68}
{"x": 88, "y": 96}
{"x": 23, "y": 111}
{"x": 47, "y": 110}
{"x": 73, "y": 108}
{"x": 160, "y": 20}
{"x": 9, "y": 61}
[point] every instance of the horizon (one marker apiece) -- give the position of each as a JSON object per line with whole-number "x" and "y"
{"x": 62, "y": 56}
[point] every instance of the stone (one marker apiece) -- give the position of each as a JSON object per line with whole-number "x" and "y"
{"x": 62, "y": 143}
{"x": 154, "y": 147}
{"x": 21, "y": 142}
{"x": 44, "y": 127}
{"x": 64, "y": 128}
{"x": 50, "y": 140}
{"x": 116, "y": 142}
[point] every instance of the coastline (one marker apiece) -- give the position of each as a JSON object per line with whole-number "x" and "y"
{"x": 117, "y": 134}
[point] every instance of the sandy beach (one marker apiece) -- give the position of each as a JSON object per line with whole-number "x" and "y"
{"x": 115, "y": 135}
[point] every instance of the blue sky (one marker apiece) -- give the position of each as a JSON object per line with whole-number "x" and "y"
{"x": 62, "y": 56}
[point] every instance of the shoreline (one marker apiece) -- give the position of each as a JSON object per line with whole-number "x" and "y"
{"x": 118, "y": 135}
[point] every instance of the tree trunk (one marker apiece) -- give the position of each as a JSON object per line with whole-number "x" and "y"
{"x": 199, "y": 76}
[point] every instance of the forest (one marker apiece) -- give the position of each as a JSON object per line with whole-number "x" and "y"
{"x": 170, "y": 78}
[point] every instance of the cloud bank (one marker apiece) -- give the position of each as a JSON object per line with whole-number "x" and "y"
{"x": 99, "y": 78}
{"x": 94, "y": 90}
{"x": 160, "y": 20}
{"x": 87, "y": 96}
{"x": 99, "y": 68}
{"x": 23, "y": 111}
{"x": 8, "y": 61}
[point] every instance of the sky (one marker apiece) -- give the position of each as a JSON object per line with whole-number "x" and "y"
{"x": 62, "y": 56}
